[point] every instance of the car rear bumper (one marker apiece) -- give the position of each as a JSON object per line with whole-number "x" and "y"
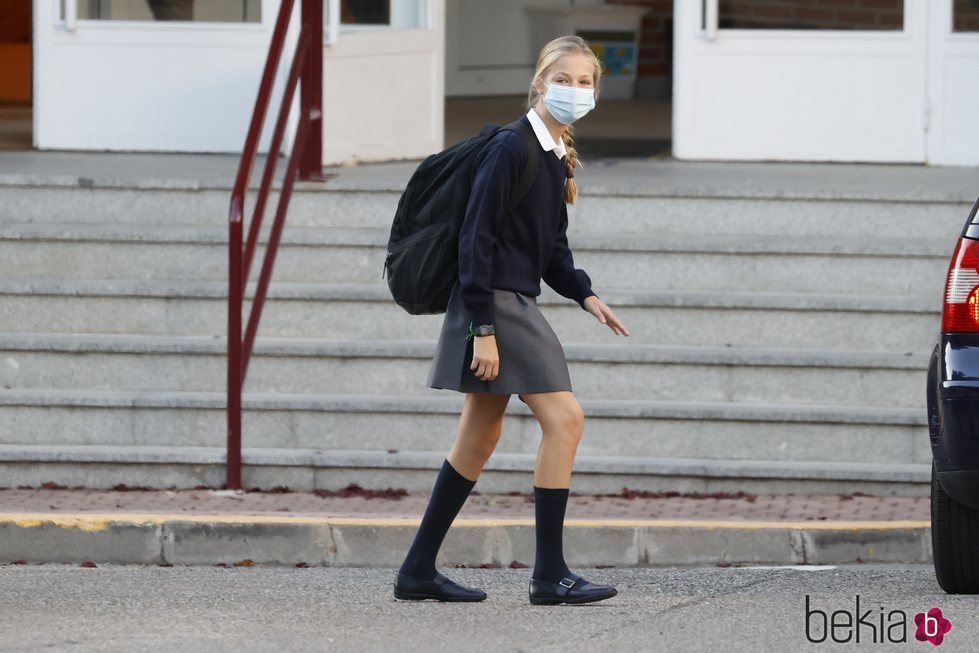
{"x": 955, "y": 437}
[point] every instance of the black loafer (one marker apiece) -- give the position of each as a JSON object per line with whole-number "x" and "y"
{"x": 570, "y": 589}
{"x": 440, "y": 588}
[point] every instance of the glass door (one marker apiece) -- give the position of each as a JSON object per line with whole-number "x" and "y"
{"x": 149, "y": 75}
{"x": 797, "y": 80}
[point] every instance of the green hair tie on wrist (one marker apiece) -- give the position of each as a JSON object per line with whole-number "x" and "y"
{"x": 469, "y": 336}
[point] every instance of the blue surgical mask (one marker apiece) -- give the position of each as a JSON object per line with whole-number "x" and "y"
{"x": 568, "y": 103}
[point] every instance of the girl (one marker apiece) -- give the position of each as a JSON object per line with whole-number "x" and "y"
{"x": 502, "y": 259}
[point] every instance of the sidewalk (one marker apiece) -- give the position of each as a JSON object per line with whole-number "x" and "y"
{"x": 360, "y": 528}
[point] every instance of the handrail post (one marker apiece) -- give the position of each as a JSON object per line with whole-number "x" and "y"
{"x": 311, "y": 93}
{"x": 235, "y": 378}
{"x": 305, "y": 162}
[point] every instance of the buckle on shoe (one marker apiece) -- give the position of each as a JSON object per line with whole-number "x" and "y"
{"x": 561, "y": 582}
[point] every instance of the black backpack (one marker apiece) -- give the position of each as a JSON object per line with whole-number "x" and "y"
{"x": 422, "y": 258}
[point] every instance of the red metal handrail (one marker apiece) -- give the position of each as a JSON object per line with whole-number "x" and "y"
{"x": 304, "y": 160}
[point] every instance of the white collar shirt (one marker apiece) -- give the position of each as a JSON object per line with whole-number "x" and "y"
{"x": 544, "y": 136}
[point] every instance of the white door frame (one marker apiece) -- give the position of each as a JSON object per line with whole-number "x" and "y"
{"x": 953, "y": 90}
{"x": 384, "y": 89}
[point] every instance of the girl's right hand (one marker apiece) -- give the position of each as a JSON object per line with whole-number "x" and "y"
{"x": 486, "y": 358}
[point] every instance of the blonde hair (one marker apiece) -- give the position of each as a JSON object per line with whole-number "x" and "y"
{"x": 548, "y": 56}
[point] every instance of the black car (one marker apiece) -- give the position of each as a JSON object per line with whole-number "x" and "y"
{"x": 953, "y": 421}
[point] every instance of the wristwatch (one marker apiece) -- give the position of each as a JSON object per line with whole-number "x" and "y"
{"x": 485, "y": 330}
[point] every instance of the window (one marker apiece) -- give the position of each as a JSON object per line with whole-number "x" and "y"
{"x": 221, "y": 11}
{"x": 965, "y": 16}
{"x": 809, "y": 15}
{"x": 365, "y": 12}
{"x": 373, "y": 14}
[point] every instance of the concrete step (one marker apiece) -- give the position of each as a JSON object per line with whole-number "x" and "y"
{"x": 778, "y": 318}
{"x": 598, "y": 371}
{"x": 662, "y": 429}
{"x": 366, "y": 311}
{"x": 666, "y": 261}
{"x": 768, "y": 214}
{"x": 629, "y": 211}
{"x": 160, "y": 466}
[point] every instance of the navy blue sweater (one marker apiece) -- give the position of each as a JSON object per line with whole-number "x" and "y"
{"x": 516, "y": 251}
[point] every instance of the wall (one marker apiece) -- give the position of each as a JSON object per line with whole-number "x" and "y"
{"x": 488, "y": 45}
{"x": 655, "y": 71}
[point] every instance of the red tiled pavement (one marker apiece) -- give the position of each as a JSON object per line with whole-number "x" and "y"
{"x": 856, "y": 507}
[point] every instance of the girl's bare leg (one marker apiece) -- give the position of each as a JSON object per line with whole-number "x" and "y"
{"x": 480, "y": 426}
{"x": 562, "y": 424}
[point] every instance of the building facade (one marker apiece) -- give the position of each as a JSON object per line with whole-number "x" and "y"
{"x": 793, "y": 80}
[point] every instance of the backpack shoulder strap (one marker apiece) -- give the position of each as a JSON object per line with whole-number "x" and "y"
{"x": 529, "y": 171}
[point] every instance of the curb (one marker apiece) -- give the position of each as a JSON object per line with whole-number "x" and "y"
{"x": 244, "y": 540}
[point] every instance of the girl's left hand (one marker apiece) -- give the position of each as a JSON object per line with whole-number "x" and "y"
{"x": 600, "y": 309}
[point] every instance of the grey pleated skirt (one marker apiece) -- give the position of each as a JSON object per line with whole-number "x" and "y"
{"x": 531, "y": 356}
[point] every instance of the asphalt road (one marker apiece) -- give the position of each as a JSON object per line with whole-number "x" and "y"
{"x": 130, "y": 608}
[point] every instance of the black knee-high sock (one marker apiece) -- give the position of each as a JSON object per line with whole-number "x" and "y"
{"x": 549, "y": 506}
{"x": 450, "y": 492}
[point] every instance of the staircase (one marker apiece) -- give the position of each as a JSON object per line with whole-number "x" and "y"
{"x": 778, "y": 343}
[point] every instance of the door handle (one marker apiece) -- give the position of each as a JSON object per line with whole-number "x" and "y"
{"x": 71, "y": 15}
{"x": 711, "y": 17}
{"x": 333, "y": 21}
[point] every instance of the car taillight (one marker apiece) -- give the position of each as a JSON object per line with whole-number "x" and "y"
{"x": 960, "y": 312}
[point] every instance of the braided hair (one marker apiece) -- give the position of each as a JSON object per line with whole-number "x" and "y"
{"x": 548, "y": 56}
